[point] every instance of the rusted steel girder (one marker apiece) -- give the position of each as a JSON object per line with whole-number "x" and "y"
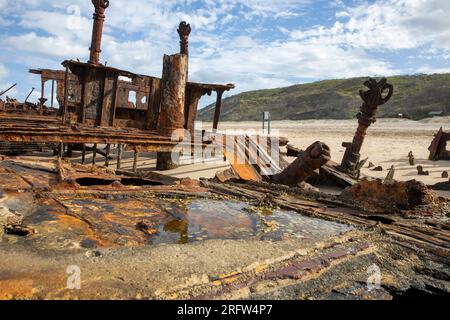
{"x": 5, "y": 91}
{"x": 373, "y": 98}
{"x": 97, "y": 30}
{"x": 184, "y": 30}
{"x": 306, "y": 164}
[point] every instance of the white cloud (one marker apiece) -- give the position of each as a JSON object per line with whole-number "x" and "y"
{"x": 386, "y": 25}
{"x": 3, "y": 71}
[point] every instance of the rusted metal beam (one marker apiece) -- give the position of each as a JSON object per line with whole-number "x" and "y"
{"x": 53, "y": 93}
{"x": 5, "y": 91}
{"x": 65, "y": 107}
{"x": 218, "y": 110}
{"x": 28, "y": 96}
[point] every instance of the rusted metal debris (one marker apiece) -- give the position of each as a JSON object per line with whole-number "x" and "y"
{"x": 438, "y": 147}
{"x": 372, "y": 98}
{"x": 306, "y": 164}
{"x": 411, "y": 198}
{"x": 411, "y": 159}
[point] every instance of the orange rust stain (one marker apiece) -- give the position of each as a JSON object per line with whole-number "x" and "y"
{"x": 17, "y": 289}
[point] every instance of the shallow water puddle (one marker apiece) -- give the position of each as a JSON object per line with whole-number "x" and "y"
{"x": 91, "y": 223}
{"x": 210, "y": 219}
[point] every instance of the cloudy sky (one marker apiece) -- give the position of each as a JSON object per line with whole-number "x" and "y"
{"x": 252, "y": 43}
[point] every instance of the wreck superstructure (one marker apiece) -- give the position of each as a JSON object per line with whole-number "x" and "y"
{"x": 102, "y": 104}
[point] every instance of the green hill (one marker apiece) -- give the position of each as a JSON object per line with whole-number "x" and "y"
{"x": 415, "y": 96}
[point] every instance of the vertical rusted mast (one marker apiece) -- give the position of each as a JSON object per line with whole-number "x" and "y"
{"x": 97, "y": 30}
{"x": 367, "y": 116}
{"x": 184, "y": 30}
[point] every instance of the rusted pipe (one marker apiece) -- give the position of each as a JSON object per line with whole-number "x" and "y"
{"x": 97, "y": 30}
{"x": 307, "y": 162}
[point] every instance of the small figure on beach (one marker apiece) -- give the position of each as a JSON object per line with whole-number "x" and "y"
{"x": 421, "y": 172}
{"x": 445, "y": 175}
{"x": 371, "y": 165}
{"x": 412, "y": 159}
{"x": 379, "y": 168}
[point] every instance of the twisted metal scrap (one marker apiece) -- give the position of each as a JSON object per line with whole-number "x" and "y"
{"x": 184, "y": 30}
{"x": 372, "y": 98}
{"x": 307, "y": 162}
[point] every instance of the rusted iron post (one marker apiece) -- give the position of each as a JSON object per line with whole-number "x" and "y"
{"x": 171, "y": 118}
{"x": 97, "y": 30}
{"x": 94, "y": 154}
{"x": 83, "y": 154}
{"x": 307, "y": 162}
{"x": 108, "y": 151}
{"x": 53, "y": 93}
{"x": 166, "y": 161}
{"x": 41, "y": 100}
{"x": 65, "y": 108}
{"x": 135, "y": 160}
{"x": 119, "y": 156}
{"x": 184, "y": 30}
{"x": 372, "y": 99}
{"x": 218, "y": 109}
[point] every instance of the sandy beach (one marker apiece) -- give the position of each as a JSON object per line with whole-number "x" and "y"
{"x": 387, "y": 143}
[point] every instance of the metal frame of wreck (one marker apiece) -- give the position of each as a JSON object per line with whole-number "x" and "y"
{"x": 95, "y": 107}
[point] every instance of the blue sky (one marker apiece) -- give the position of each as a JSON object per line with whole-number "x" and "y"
{"x": 254, "y": 43}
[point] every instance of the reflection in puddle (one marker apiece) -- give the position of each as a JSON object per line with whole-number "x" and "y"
{"x": 207, "y": 219}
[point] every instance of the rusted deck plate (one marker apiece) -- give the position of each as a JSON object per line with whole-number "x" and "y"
{"x": 49, "y": 130}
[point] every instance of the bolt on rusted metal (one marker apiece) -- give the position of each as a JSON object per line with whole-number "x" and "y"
{"x": 97, "y": 30}
{"x": 184, "y": 30}
{"x": 372, "y": 99}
